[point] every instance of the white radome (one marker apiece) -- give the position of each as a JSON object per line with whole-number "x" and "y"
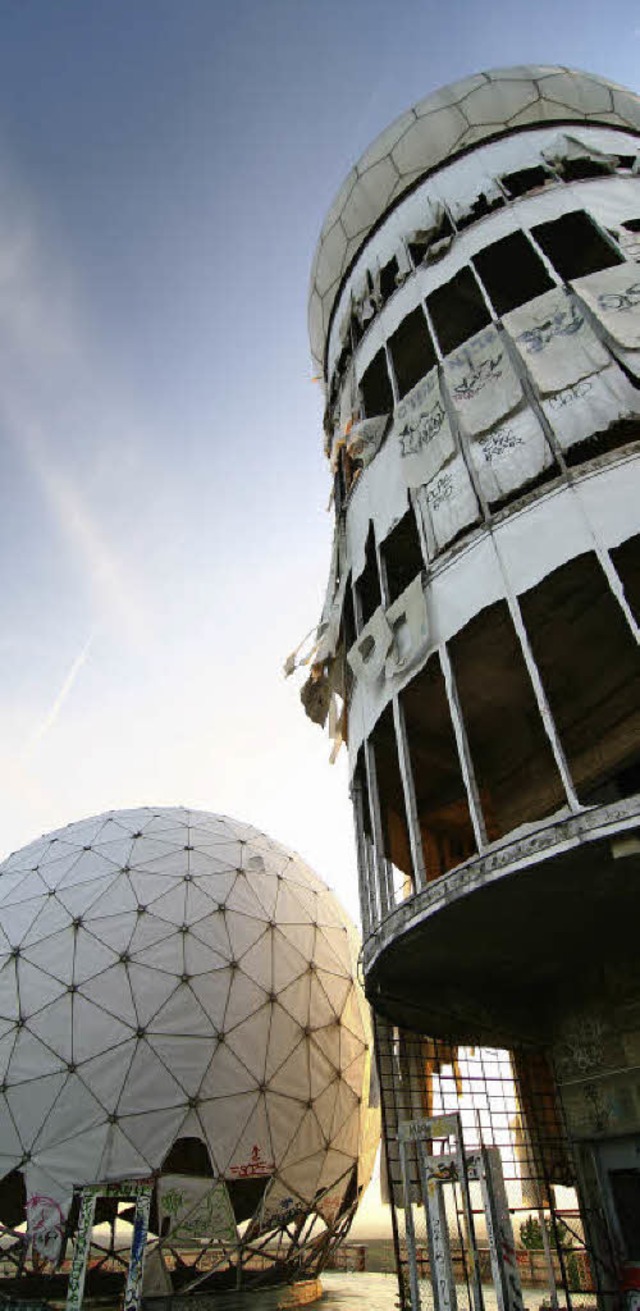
{"x": 170, "y": 974}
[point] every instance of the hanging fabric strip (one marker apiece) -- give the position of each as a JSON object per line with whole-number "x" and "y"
{"x": 381, "y": 494}
{"x": 367, "y": 655}
{"x": 407, "y": 619}
{"x": 511, "y": 454}
{"x": 591, "y": 406}
{"x": 566, "y": 147}
{"x": 365, "y": 437}
{"x": 555, "y": 341}
{"x": 614, "y": 297}
{"x": 422, "y": 432}
{"x": 482, "y": 382}
{"x": 449, "y": 503}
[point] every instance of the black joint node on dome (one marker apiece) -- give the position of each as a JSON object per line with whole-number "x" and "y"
{"x": 3, "y": 1087}
{"x": 137, "y": 835}
{"x": 221, "y": 1037}
{"x": 141, "y": 1032}
{"x": 233, "y": 965}
{"x": 88, "y": 848}
{"x": 124, "y": 958}
{"x": 188, "y": 878}
{"x": 51, "y": 892}
{"x": 262, "y": 1087}
{"x": 113, "y": 1119}
{"x": 126, "y": 869}
{"x": 15, "y": 952}
{"x": 184, "y": 928}
{"x": 194, "y": 1103}
{"x": 72, "y": 987}
{"x": 185, "y": 978}
{"x": 309, "y": 1105}
{"x": 273, "y": 997}
{"x": 26, "y": 1158}
{"x": 307, "y": 1031}
{"x": 188, "y": 847}
{"x": 141, "y": 910}
{"x": 77, "y": 922}
{"x": 312, "y": 967}
{"x": 71, "y": 1067}
{"x": 19, "y": 1022}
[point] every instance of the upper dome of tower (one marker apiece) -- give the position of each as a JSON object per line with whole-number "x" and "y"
{"x": 434, "y": 131}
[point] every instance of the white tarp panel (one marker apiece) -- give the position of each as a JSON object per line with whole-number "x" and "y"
{"x": 482, "y": 382}
{"x": 363, "y": 440}
{"x": 407, "y": 620}
{"x": 422, "y": 431}
{"x": 591, "y": 406}
{"x": 381, "y": 494}
{"x": 196, "y": 1207}
{"x": 555, "y": 341}
{"x": 510, "y": 455}
{"x": 566, "y": 146}
{"x": 448, "y": 504}
{"x": 614, "y": 296}
{"x": 368, "y": 653}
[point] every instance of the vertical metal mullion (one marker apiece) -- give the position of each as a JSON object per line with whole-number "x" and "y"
{"x": 464, "y": 752}
{"x": 385, "y": 883}
{"x": 364, "y": 869}
{"x": 536, "y": 682}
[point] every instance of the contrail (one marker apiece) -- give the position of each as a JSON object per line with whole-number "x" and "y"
{"x": 48, "y": 721}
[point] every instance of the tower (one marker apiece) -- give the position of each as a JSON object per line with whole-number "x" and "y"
{"x": 475, "y": 312}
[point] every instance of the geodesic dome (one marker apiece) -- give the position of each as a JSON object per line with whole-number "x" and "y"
{"x": 178, "y": 999}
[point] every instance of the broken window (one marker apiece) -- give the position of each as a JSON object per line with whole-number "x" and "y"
{"x": 589, "y": 664}
{"x": 484, "y": 204}
{"x": 525, "y": 180}
{"x": 368, "y": 584}
{"x": 412, "y": 350}
{"x": 575, "y": 246}
{"x": 388, "y": 280}
{"x": 600, "y": 443}
{"x": 512, "y": 272}
{"x": 393, "y": 819}
{"x": 423, "y": 240}
{"x": 457, "y": 310}
{"x": 402, "y": 555}
{"x": 512, "y": 759}
{"x": 626, "y": 560}
{"x": 441, "y": 799}
{"x": 375, "y": 387}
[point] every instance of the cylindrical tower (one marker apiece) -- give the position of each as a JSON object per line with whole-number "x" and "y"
{"x": 475, "y": 311}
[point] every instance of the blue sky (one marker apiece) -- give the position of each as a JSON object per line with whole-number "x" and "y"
{"x": 165, "y": 166}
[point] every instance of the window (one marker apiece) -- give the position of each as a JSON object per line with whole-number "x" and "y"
{"x": 423, "y": 241}
{"x": 411, "y": 350}
{"x": 512, "y": 272}
{"x": 525, "y": 180}
{"x": 479, "y": 209}
{"x": 388, "y": 284}
{"x": 457, "y": 310}
{"x": 375, "y": 387}
{"x": 402, "y": 555}
{"x": 368, "y": 584}
{"x": 575, "y": 246}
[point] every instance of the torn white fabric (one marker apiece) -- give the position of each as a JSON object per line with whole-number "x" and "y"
{"x": 482, "y": 382}
{"x": 555, "y": 341}
{"x": 511, "y": 454}
{"x": 566, "y": 146}
{"x": 407, "y": 619}
{"x": 448, "y": 504}
{"x": 367, "y": 655}
{"x": 630, "y": 359}
{"x": 422, "y": 431}
{"x": 364, "y": 439}
{"x": 614, "y": 297}
{"x": 463, "y": 207}
{"x": 379, "y": 494}
{"x": 405, "y": 267}
{"x": 591, "y": 406}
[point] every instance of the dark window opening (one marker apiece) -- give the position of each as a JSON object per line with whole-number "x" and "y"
{"x": 375, "y": 387}
{"x": 626, "y": 560}
{"x": 600, "y": 443}
{"x": 188, "y": 1156}
{"x": 575, "y": 170}
{"x": 512, "y": 272}
{"x": 625, "y": 1188}
{"x": 13, "y": 1199}
{"x": 479, "y": 209}
{"x": 457, "y": 310}
{"x": 575, "y": 245}
{"x": 388, "y": 283}
{"x": 402, "y": 555}
{"x": 525, "y": 180}
{"x": 589, "y": 664}
{"x": 368, "y": 584}
{"x": 623, "y": 783}
{"x": 395, "y": 834}
{"x": 441, "y": 799}
{"x": 423, "y": 241}
{"x": 246, "y": 1195}
{"x": 348, "y": 620}
{"x": 632, "y": 225}
{"x": 514, "y": 767}
{"x": 412, "y": 350}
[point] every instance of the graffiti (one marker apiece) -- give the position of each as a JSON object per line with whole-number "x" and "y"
{"x": 440, "y": 491}
{"x": 620, "y": 301}
{"x": 564, "y": 323}
{"x": 45, "y": 1226}
{"x": 570, "y": 394}
{"x": 253, "y": 1168}
{"x": 499, "y": 442}
{"x": 420, "y": 432}
{"x": 479, "y": 376}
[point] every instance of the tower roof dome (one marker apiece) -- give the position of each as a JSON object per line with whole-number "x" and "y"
{"x": 435, "y": 130}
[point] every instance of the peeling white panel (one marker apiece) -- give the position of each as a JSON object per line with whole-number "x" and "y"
{"x": 511, "y": 454}
{"x": 381, "y": 494}
{"x": 422, "y": 432}
{"x": 542, "y": 537}
{"x": 556, "y": 343}
{"x": 482, "y": 382}
{"x": 591, "y": 406}
{"x": 614, "y": 296}
{"x": 448, "y": 504}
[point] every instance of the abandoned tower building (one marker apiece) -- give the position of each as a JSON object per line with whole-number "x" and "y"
{"x": 475, "y": 314}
